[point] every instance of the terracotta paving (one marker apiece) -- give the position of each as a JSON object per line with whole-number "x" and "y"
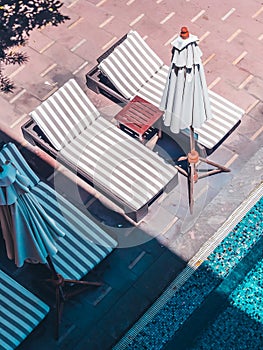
{"x": 231, "y": 35}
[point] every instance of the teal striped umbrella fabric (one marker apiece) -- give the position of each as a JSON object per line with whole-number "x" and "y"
{"x": 29, "y": 233}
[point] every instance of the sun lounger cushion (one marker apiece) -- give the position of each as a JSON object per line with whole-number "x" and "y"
{"x": 135, "y": 61}
{"x": 20, "y": 312}
{"x": 119, "y": 166}
{"x": 85, "y": 243}
{"x": 146, "y": 77}
{"x": 72, "y": 110}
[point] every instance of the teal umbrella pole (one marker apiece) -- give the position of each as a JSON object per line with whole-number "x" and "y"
{"x": 58, "y": 283}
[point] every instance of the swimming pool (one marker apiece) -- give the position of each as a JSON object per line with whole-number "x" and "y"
{"x": 218, "y": 307}
{"x": 232, "y": 315}
{"x": 239, "y": 325}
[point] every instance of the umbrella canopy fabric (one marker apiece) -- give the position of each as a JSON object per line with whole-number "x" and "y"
{"x": 29, "y": 233}
{"x": 185, "y": 100}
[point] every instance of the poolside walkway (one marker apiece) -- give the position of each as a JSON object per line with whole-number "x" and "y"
{"x": 153, "y": 253}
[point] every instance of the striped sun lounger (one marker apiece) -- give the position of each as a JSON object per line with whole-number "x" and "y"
{"x": 85, "y": 244}
{"x": 20, "y": 312}
{"x": 133, "y": 68}
{"x": 120, "y": 167}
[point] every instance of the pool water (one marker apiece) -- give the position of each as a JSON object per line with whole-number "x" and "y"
{"x": 238, "y": 322}
{"x": 220, "y": 306}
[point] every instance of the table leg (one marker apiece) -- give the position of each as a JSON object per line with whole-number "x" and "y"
{"x": 159, "y": 126}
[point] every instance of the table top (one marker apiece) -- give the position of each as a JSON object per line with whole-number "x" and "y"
{"x": 139, "y": 115}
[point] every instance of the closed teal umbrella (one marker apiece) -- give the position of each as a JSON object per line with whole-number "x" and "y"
{"x": 29, "y": 233}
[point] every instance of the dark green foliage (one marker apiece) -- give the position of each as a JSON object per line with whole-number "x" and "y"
{"x": 17, "y": 19}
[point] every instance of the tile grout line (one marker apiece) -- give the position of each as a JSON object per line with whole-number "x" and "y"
{"x": 72, "y": 25}
{"x": 84, "y": 64}
{"x": 195, "y": 18}
{"x": 204, "y": 36}
{"x": 209, "y": 59}
{"x": 252, "y": 106}
{"x": 257, "y": 13}
{"x": 217, "y": 80}
{"x": 137, "y": 19}
{"x": 168, "y": 42}
{"x": 228, "y": 14}
{"x": 130, "y": 2}
{"x": 109, "y": 43}
{"x": 17, "y": 96}
{"x": 18, "y": 121}
{"x": 48, "y": 69}
{"x": 19, "y": 69}
{"x": 102, "y": 296}
{"x": 256, "y": 134}
{"x": 245, "y": 82}
{"x": 75, "y": 47}
{"x": 47, "y": 46}
{"x": 234, "y": 35}
{"x": 239, "y": 58}
{"x": 101, "y": 3}
{"x": 231, "y": 160}
{"x": 50, "y": 93}
{"x": 167, "y": 18}
{"x": 136, "y": 260}
{"x": 108, "y": 20}
{"x": 72, "y": 4}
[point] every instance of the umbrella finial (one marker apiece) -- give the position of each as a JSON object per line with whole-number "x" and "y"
{"x": 184, "y": 33}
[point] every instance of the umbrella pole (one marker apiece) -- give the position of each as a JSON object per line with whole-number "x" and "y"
{"x": 192, "y": 139}
{"x": 59, "y": 282}
{"x": 192, "y": 175}
{"x": 193, "y": 158}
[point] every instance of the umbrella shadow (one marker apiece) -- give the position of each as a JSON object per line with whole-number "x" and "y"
{"x": 167, "y": 148}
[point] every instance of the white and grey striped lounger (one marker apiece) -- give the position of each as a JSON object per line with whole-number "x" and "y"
{"x": 20, "y": 312}
{"x": 117, "y": 165}
{"x": 85, "y": 244}
{"x": 135, "y": 69}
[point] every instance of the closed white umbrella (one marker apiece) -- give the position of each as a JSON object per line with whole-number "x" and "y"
{"x": 185, "y": 100}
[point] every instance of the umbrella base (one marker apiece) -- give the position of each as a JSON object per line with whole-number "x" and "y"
{"x": 192, "y": 175}
{"x": 59, "y": 282}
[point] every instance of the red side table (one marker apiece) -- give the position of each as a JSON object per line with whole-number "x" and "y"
{"x": 138, "y": 117}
